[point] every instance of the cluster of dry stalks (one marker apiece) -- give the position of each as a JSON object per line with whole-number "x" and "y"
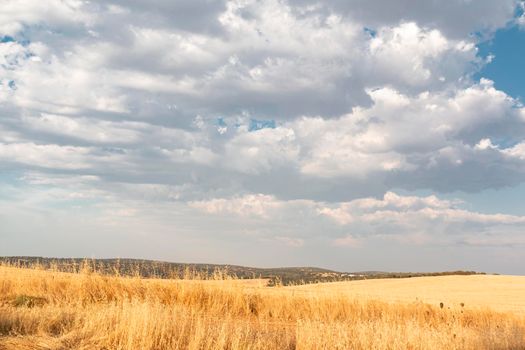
{"x": 56, "y": 310}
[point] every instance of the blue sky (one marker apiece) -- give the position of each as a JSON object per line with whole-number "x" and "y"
{"x": 353, "y": 136}
{"x": 506, "y": 69}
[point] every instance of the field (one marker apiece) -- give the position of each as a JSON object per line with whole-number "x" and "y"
{"x": 41, "y": 309}
{"x": 498, "y": 293}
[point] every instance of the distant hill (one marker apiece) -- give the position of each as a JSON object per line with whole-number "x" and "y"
{"x": 162, "y": 269}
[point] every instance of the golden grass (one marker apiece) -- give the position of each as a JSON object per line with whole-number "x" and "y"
{"x": 499, "y": 293}
{"x": 54, "y": 310}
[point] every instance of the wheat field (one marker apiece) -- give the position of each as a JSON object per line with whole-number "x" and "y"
{"x": 56, "y": 310}
{"x": 495, "y": 292}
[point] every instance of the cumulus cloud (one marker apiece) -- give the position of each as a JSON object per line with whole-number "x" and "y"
{"x": 407, "y": 210}
{"x": 456, "y": 18}
{"x": 17, "y": 15}
{"x": 416, "y": 220}
{"x": 266, "y": 61}
{"x": 417, "y": 57}
{"x": 405, "y": 138}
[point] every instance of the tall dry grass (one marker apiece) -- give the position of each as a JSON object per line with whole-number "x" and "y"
{"x": 55, "y": 310}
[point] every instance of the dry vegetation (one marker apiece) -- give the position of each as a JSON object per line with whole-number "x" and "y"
{"x": 56, "y": 310}
{"x": 499, "y": 293}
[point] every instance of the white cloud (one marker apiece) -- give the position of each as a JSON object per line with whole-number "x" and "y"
{"x": 417, "y": 57}
{"x": 18, "y": 14}
{"x": 517, "y": 151}
{"x": 457, "y": 18}
{"x": 257, "y": 205}
{"x": 409, "y": 210}
{"x": 408, "y": 134}
{"x": 409, "y": 219}
{"x": 65, "y": 85}
{"x": 267, "y": 59}
{"x": 261, "y": 150}
{"x": 485, "y": 144}
{"x": 400, "y": 137}
{"x": 48, "y": 156}
{"x": 85, "y": 128}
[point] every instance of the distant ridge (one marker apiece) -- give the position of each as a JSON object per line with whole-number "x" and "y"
{"x": 162, "y": 269}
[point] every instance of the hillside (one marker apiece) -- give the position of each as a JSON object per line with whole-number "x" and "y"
{"x": 162, "y": 269}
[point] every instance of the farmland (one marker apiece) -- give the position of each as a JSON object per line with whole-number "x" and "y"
{"x": 46, "y": 309}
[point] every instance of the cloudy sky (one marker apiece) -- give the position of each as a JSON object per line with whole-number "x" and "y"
{"x": 353, "y": 135}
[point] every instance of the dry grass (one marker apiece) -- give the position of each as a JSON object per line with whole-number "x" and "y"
{"x": 499, "y": 293}
{"x": 53, "y": 310}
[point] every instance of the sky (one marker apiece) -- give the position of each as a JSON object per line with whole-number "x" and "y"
{"x": 351, "y": 135}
